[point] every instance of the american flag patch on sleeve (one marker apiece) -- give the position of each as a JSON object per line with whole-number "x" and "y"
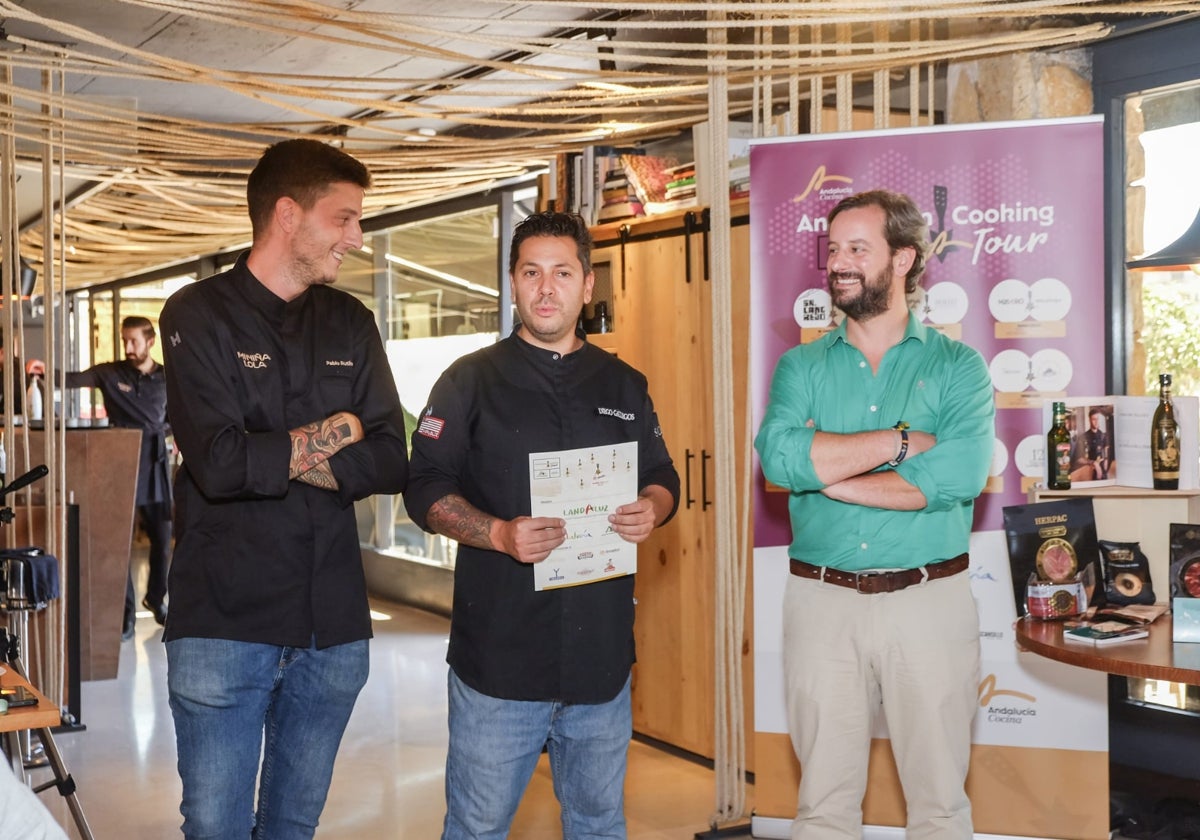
{"x": 431, "y": 427}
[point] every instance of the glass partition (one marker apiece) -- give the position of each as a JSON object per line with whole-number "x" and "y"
{"x": 443, "y": 298}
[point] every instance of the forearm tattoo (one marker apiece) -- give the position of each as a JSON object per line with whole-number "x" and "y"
{"x": 455, "y": 517}
{"x": 320, "y": 476}
{"x": 314, "y": 443}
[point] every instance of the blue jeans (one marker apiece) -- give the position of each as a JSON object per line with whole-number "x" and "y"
{"x": 494, "y": 748}
{"x": 224, "y": 696}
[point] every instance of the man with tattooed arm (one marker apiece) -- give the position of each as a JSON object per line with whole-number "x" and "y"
{"x": 535, "y": 668}
{"x": 286, "y": 413}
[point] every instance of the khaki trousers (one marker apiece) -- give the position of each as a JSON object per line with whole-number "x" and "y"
{"x": 916, "y": 652}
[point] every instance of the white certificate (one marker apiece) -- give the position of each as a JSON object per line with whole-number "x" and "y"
{"x": 584, "y": 486}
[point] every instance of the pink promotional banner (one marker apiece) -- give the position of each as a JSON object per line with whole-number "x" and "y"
{"x": 1016, "y": 269}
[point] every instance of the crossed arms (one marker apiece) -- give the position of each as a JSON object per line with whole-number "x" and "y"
{"x": 314, "y": 443}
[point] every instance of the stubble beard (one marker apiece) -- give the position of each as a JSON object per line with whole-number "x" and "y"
{"x": 548, "y": 336}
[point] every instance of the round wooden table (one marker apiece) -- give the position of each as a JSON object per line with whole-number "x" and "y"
{"x": 1156, "y": 657}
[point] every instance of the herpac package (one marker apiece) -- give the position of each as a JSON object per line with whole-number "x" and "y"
{"x": 1054, "y": 556}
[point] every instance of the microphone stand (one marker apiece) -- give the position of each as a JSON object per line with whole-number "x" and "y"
{"x": 15, "y": 601}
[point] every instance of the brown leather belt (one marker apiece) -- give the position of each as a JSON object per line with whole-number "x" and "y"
{"x": 872, "y": 583}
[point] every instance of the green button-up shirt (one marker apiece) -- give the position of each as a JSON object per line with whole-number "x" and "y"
{"x": 933, "y": 383}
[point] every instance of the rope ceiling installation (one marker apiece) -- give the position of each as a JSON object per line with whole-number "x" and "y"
{"x": 168, "y": 188}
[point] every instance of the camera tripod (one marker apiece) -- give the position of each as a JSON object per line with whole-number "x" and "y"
{"x": 16, "y": 604}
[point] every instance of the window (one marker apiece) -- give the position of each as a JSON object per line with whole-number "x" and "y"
{"x": 1162, "y": 196}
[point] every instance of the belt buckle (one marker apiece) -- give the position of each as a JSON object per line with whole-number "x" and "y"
{"x": 859, "y": 577}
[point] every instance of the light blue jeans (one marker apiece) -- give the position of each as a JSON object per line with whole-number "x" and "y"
{"x": 494, "y": 748}
{"x": 228, "y": 699}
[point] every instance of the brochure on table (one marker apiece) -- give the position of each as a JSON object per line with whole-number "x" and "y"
{"x": 1125, "y": 423}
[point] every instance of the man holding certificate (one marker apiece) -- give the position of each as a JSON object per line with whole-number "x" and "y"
{"x": 543, "y": 420}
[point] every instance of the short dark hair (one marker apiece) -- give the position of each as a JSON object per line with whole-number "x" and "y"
{"x": 553, "y": 224}
{"x": 302, "y": 170}
{"x": 133, "y": 322}
{"x": 903, "y": 226}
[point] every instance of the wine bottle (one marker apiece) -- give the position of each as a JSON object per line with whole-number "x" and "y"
{"x": 1058, "y": 451}
{"x": 1164, "y": 439}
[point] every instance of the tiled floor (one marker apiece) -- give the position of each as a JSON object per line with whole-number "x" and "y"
{"x": 388, "y": 780}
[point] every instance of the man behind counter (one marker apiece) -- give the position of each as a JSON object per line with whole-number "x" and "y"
{"x": 135, "y": 397}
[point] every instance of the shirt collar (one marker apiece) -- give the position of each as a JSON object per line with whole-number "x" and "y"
{"x": 913, "y": 329}
{"x": 260, "y": 297}
{"x": 541, "y": 352}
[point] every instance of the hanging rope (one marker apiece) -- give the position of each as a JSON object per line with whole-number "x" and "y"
{"x": 729, "y": 598}
{"x": 170, "y": 182}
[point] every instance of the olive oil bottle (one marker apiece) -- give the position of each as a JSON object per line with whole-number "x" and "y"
{"x": 1058, "y": 451}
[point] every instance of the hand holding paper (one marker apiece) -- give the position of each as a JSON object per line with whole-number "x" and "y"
{"x": 635, "y": 521}
{"x": 529, "y": 539}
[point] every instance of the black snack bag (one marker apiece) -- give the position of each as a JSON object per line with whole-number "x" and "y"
{"x": 1052, "y": 542}
{"x": 1126, "y": 573}
{"x": 1185, "y": 560}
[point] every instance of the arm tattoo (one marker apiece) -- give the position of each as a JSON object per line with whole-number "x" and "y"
{"x": 455, "y": 517}
{"x": 314, "y": 443}
{"x": 319, "y": 476}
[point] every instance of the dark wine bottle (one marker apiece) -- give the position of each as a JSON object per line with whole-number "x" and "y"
{"x": 1164, "y": 439}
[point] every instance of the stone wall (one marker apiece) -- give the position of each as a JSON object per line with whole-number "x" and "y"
{"x": 1021, "y": 86}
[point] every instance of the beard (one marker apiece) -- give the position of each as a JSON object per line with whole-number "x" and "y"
{"x": 874, "y": 296}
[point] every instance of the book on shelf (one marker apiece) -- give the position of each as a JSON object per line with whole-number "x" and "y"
{"x": 620, "y": 210}
{"x": 1104, "y": 633}
{"x": 738, "y": 174}
{"x": 618, "y": 199}
{"x": 647, "y": 175}
{"x": 1110, "y": 439}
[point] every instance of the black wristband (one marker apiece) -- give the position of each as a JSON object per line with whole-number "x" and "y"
{"x": 904, "y": 447}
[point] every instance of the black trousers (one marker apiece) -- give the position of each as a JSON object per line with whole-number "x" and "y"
{"x": 156, "y": 522}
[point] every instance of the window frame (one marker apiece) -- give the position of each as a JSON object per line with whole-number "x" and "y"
{"x": 1134, "y": 59}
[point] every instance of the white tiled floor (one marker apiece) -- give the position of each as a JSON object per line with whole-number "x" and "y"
{"x": 388, "y": 781}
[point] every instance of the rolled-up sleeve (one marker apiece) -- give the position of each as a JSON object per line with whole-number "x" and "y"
{"x": 956, "y": 469}
{"x": 785, "y": 437}
{"x": 657, "y": 466}
{"x": 439, "y": 450}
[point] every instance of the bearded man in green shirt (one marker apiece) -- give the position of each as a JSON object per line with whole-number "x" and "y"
{"x": 882, "y": 431}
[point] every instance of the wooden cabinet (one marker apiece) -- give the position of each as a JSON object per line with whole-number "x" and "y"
{"x": 663, "y": 326}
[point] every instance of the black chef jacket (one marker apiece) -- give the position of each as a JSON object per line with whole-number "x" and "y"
{"x": 259, "y": 558}
{"x": 486, "y": 413}
{"x": 136, "y": 400}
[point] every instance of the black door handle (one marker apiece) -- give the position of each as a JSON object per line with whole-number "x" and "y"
{"x": 687, "y": 478}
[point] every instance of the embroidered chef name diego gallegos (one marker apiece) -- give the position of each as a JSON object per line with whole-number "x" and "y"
{"x": 612, "y": 412}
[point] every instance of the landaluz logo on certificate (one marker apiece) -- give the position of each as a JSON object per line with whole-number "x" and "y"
{"x": 583, "y": 487}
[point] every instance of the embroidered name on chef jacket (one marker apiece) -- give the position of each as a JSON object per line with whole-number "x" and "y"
{"x": 612, "y": 412}
{"x": 254, "y": 360}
